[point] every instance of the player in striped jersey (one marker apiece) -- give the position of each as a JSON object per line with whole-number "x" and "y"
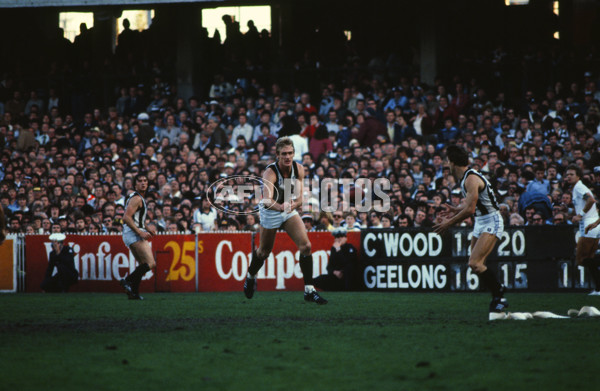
{"x": 136, "y": 236}
{"x": 279, "y": 209}
{"x": 480, "y": 200}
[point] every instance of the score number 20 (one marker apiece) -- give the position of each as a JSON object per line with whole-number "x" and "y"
{"x": 511, "y": 244}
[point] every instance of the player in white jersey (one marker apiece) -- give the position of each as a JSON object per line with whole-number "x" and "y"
{"x": 136, "y": 236}
{"x": 479, "y": 200}
{"x": 586, "y": 215}
{"x": 278, "y": 212}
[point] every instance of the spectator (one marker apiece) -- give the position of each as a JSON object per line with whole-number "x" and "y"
{"x": 61, "y": 273}
{"x": 371, "y": 131}
{"x": 539, "y": 184}
{"x": 308, "y": 221}
{"x": 386, "y": 221}
{"x": 325, "y": 222}
{"x": 206, "y": 215}
{"x": 538, "y": 219}
{"x": 76, "y": 148}
{"x": 320, "y": 143}
{"x": 516, "y": 220}
{"x": 350, "y": 222}
{"x": 170, "y": 131}
{"x": 342, "y": 263}
{"x": 242, "y": 129}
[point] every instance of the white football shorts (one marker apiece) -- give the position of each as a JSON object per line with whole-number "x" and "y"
{"x": 491, "y": 224}
{"x": 271, "y": 219}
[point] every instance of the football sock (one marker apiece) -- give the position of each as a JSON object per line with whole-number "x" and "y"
{"x": 596, "y": 273}
{"x": 255, "y": 264}
{"x": 593, "y": 266}
{"x": 489, "y": 279}
{"x": 306, "y": 265}
{"x": 308, "y": 288}
{"x": 135, "y": 277}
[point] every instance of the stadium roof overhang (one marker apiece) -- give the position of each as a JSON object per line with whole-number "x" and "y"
{"x": 84, "y": 3}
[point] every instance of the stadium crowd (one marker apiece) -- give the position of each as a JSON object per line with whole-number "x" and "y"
{"x": 66, "y": 172}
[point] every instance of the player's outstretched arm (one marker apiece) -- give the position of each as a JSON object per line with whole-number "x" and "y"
{"x": 449, "y": 210}
{"x": 465, "y": 209}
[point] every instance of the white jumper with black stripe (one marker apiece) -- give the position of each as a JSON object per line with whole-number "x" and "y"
{"x": 486, "y": 201}
{"x": 139, "y": 217}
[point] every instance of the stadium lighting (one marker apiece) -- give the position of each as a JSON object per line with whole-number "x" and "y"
{"x": 516, "y": 2}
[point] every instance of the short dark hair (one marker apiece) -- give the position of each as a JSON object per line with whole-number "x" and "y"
{"x": 575, "y": 168}
{"x": 457, "y": 155}
{"x": 138, "y": 176}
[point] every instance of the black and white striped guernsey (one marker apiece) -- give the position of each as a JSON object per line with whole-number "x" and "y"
{"x": 486, "y": 202}
{"x": 139, "y": 217}
{"x": 280, "y": 183}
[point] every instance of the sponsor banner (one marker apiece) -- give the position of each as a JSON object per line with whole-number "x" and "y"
{"x": 102, "y": 260}
{"x": 223, "y": 260}
{"x": 8, "y": 265}
{"x": 282, "y": 269}
{"x": 176, "y": 262}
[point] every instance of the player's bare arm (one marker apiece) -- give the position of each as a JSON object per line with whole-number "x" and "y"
{"x": 466, "y": 208}
{"x": 297, "y": 203}
{"x": 449, "y": 210}
{"x": 270, "y": 177}
{"x": 590, "y": 227}
{"x": 151, "y": 231}
{"x": 589, "y": 202}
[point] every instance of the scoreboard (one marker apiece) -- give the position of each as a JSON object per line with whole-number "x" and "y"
{"x": 536, "y": 259}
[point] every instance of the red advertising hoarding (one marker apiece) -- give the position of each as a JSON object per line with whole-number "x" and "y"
{"x": 102, "y": 260}
{"x": 282, "y": 269}
{"x": 223, "y": 260}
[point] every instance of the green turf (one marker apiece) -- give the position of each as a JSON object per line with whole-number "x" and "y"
{"x": 359, "y": 341}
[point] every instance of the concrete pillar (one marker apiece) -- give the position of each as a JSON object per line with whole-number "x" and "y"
{"x": 584, "y": 21}
{"x": 104, "y": 34}
{"x": 429, "y": 47}
{"x": 435, "y": 42}
{"x": 189, "y": 22}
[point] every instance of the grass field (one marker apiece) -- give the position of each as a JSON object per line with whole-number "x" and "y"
{"x": 359, "y": 341}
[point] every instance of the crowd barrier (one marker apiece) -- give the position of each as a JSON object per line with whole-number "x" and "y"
{"x": 534, "y": 259}
{"x": 216, "y": 261}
